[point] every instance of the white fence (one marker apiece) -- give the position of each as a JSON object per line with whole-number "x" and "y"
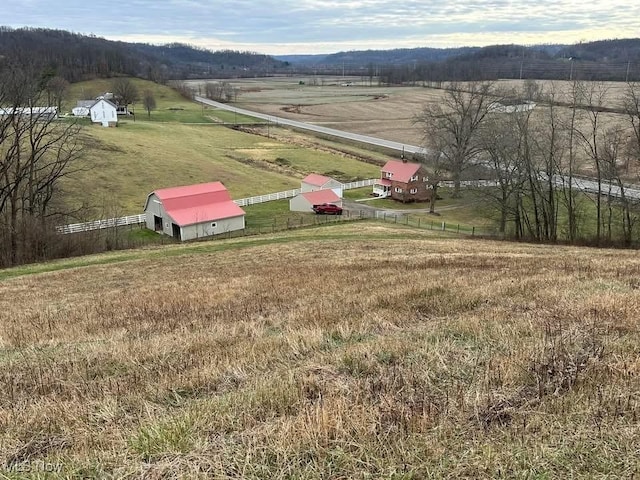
{"x": 359, "y": 184}
{"x": 100, "y": 224}
{"x": 243, "y": 202}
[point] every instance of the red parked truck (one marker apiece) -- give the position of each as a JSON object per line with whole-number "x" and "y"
{"x": 327, "y": 209}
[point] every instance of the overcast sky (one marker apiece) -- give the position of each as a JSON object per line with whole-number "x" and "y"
{"x": 325, "y": 26}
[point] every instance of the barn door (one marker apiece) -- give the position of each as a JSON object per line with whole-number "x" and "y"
{"x": 176, "y": 231}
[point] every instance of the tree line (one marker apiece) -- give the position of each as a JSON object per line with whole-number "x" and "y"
{"x": 36, "y": 152}
{"x": 538, "y": 155}
{"x": 76, "y": 57}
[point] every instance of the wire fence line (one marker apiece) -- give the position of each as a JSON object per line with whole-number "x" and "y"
{"x": 422, "y": 221}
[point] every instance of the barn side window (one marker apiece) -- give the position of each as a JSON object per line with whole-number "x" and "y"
{"x": 214, "y": 224}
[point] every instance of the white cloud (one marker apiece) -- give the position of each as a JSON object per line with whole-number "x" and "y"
{"x": 310, "y": 26}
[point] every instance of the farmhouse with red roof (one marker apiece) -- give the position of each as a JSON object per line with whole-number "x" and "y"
{"x": 314, "y": 182}
{"x": 193, "y": 211}
{"x": 403, "y": 181}
{"x": 304, "y": 202}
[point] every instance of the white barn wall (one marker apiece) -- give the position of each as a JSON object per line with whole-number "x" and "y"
{"x": 206, "y": 229}
{"x": 300, "y": 204}
{"x": 154, "y": 207}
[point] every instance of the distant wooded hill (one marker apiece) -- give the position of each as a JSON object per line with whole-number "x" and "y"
{"x": 79, "y": 57}
{"x": 601, "y": 60}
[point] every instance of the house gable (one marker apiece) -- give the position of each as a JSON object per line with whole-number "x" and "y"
{"x": 104, "y": 112}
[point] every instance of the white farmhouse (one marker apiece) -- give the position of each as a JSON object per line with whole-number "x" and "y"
{"x": 104, "y": 112}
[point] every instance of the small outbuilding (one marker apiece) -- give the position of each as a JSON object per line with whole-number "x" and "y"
{"x": 304, "y": 202}
{"x": 314, "y": 182}
{"x": 104, "y": 112}
{"x": 193, "y": 211}
{"x": 43, "y": 114}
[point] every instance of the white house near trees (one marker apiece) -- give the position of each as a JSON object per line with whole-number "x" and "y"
{"x": 104, "y": 112}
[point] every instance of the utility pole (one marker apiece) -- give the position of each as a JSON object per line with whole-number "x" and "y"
{"x": 626, "y": 78}
{"x": 571, "y": 69}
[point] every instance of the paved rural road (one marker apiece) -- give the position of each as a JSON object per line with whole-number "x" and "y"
{"x": 584, "y": 184}
{"x": 315, "y": 128}
{"x": 631, "y": 192}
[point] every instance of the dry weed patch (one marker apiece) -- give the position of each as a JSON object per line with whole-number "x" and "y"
{"x": 405, "y": 357}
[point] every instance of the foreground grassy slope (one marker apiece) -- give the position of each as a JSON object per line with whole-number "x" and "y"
{"x": 352, "y": 350}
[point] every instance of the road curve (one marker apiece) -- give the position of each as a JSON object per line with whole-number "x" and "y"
{"x": 400, "y": 147}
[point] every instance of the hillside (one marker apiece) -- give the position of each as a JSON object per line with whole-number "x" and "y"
{"x": 348, "y": 351}
{"x": 79, "y": 57}
{"x": 617, "y": 60}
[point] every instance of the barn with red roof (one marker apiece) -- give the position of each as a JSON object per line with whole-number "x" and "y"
{"x": 403, "y": 181}
{"x": 304, "y": 202}
{"x": 193, "y": 211}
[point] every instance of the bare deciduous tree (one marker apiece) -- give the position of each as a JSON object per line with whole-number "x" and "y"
{"x": 453, "y": 125}
{"x": 591, "y": 138}
{"x": 221, "y": 91}
{"x": 124, "y": 91}
{"x": 501, "y": 140}
{"x": 57, "y": 89}
{"x": 149, "y": 101}
{"x": 36, "y": 152}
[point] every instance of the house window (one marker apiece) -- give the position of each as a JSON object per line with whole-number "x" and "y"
{"x": 414, "y": 178}
{"x": 425, "y": 179}
{"x": 414, "y": 190}
{"x": 398, "y": 190}
{"x": 214, "y": 224}
{"x": 388, "y": 174}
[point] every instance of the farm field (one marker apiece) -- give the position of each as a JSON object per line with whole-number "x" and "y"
{"x": 348, "y": 351}
{"x": 180, "y": 146}
{"x": 385, "y": 112}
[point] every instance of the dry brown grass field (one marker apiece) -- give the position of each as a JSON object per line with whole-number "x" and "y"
{"x": 385, "y": 112}
{"x": 359, "y": 350}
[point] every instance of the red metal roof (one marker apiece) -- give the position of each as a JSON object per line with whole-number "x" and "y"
{"x": 316, "y": 179}
{"x": 321, "y": 196}
{"x": 383, "y": 181}
{"x": 205, "y": 202}
{"x": 402, "y": 171}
